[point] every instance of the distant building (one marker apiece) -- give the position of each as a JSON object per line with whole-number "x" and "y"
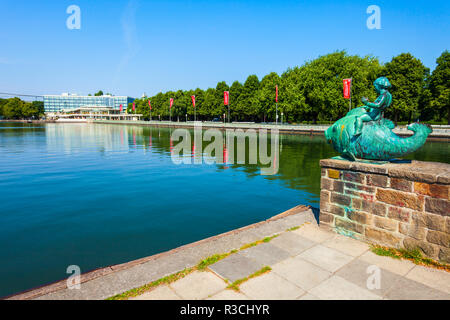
{"x": 66, "y": 101}
{"x": 88, "y": 114}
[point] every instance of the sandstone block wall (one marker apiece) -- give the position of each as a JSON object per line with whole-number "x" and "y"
{"x": 403, "y": 205}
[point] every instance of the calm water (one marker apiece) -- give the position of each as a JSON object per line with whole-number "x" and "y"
{"x": 97, "y": 195}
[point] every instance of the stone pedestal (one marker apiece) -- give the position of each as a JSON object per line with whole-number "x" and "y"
{"x": 403, "y": 205}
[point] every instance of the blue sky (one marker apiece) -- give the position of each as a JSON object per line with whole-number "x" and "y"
{"x": 130, "y": 47}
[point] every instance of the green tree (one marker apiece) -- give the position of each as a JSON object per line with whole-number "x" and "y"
{"x": 408, "y": 77}
{"x": 314, "y": 91}
{"x": 267, "y": 94}
{"x": 235, "y": 96}
{"x": 12, "y": 109}
{"x": 440, "y": 87}
{"x": 99, "y": 93}
{"x": 208, "y": 107}
{"x": 248, "y": 104}
{"x": 2, "y": 103}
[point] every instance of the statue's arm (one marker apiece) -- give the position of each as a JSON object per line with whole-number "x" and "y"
{"x": 376, "y": 105}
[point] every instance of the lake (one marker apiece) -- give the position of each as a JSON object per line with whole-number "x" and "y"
{"x": 95, "y": 195}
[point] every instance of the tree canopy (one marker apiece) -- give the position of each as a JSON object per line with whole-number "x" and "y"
{"x": 313, "y": 92}
{"x": 15, "y": 108}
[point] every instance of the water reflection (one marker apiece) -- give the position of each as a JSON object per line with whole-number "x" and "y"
{"x": 297, "y": 166}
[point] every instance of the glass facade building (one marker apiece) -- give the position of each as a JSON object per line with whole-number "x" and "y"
{"x": 56, "y": 103}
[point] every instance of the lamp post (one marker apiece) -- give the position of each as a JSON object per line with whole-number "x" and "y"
{"x": 282, "y": 118}
{"x": 186, "y": 117}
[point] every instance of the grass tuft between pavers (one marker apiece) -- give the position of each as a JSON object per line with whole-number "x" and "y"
{"x": 235, "y": 285}
{"x": 213, "y": 259}
{"x": 253, "y": 244}
{"x": 412, "y": 255}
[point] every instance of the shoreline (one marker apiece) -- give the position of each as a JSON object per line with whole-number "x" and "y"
{"x": 440, "y": 132}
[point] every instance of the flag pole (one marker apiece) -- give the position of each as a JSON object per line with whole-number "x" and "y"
{"x": 351, "y": 84}
{"x": 229, "y": 108}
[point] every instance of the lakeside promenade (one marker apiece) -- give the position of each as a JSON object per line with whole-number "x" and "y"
{"x": 285, "y": 257}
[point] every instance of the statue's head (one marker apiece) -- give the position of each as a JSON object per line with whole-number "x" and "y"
{"x": 382, "y": 83}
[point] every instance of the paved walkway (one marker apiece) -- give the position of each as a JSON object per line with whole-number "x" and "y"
{"x": 309, "y": 263}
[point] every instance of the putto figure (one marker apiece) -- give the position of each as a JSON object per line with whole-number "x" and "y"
{"x": 364, "y": 135}
{"x": 375, "y": 110}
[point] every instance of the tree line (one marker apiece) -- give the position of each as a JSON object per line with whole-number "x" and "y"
{"x": 15, "y": 108}
{"x": 312, "y": 93}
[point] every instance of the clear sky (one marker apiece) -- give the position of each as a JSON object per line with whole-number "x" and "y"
{"x": 128, "y": 47}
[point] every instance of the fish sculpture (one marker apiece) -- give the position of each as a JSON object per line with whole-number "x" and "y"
{"x": 363, "y": 134}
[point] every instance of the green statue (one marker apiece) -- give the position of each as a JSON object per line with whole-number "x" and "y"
{"x": 375, "y": 110}
{"x": 363, "y": 134}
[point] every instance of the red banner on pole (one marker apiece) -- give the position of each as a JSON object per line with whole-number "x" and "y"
{"x": 171, "y": 103}
{"x": 193, "y": 100}
{"x": 347, "y": 88}
{"x": 134, "y": 106}
{"x": 149, "y": 104}
{"x": 276, "y": 93}
{"x": 121, "y": 108}
{"x": 226, "y": 98}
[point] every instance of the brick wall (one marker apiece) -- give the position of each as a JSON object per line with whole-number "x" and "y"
{"x": 403, "y": 205}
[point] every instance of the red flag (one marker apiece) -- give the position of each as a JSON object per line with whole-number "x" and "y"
{"x": 276, "y": 93}
{"x": 193, "y": 100}
{"x": 226, "y": 98}
{"x": 121, "y": 108}
{"x": 149, "y": 104}
{"x": 171, "y": 103}
{"x": 134, "y": 106}
{"x": 347, "y": 88}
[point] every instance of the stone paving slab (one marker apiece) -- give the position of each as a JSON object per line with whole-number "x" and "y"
{"x": 347, "y": 245}
{"x": 271, "y": 286}
{"x": 358, "y": 272}
{"x": 401, "y": 267}
{"x": 228, "y": 295}
{"x": 301, "y": 273}
{"x": 292, "y": 243}
{"x": 337, "y": 288}
{"x": 198, "y": 285}
{"x": 236, "y": 267}
{"x": 433, "y": 278}
{"x": 405, "y": 289}
{"x": 308, "y": 296}
{"x": 313, "y": 233}
{"x": 328, "y": 259}
{"x": 265, "y": 254}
